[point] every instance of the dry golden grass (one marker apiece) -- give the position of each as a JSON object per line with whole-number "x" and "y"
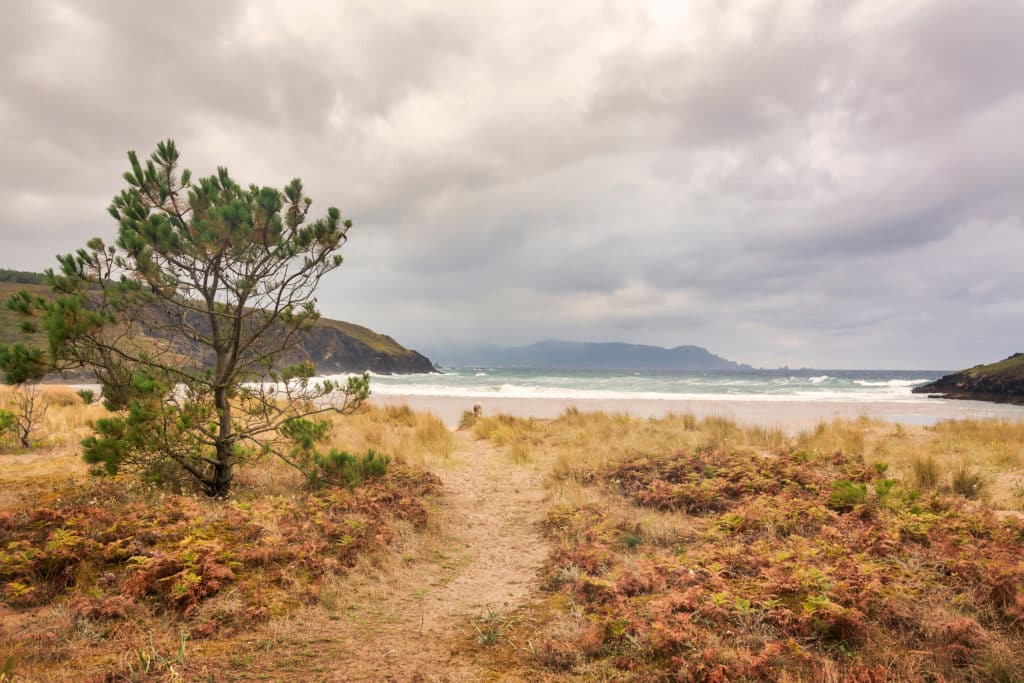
{"x": 925, "y": 457}
{"x": 605, "y": 538}
{"x": 65, "y": 420}
{"x": 930, "y": 457}
{"x": 409, "y": 437}
{"x": 418, "y": 439}
{"x": 927, "y": 474}
{"x": 55, "y": 456}
{"x": 576, "y": 439}
{"x": 637, "y": 524}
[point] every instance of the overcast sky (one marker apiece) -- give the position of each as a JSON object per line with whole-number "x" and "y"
{"x": 829, "y": 184}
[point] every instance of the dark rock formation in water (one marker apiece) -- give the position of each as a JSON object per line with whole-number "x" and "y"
{"x": 1002, "y": 382}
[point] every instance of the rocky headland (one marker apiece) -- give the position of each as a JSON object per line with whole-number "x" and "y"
{"x": 334, "y": 346}
{"x": 1001, "y": 382}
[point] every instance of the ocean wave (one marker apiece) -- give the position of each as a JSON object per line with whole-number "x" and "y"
{"x": 891, "y": 382}
{"x": 386, "y": 375}
{"x": 526, "y": 391}
{"x": 819, "y": 379}
{"x": 372, "y": 374}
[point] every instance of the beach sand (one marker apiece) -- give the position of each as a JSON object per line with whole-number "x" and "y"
{"x": 791, "y": 416}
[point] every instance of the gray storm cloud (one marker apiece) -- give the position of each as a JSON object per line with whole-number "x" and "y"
{"x": 831, "y": 184}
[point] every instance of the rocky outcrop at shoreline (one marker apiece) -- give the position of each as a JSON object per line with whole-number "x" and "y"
{"x": 1001, "y": 382}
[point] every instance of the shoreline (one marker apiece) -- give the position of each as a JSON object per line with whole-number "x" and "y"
{"x": 791, "y": 416}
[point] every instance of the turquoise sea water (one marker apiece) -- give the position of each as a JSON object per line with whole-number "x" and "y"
{"x": 788, "y": 385}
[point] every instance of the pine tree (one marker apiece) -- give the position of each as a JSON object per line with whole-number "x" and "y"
{"x": 185, "y": 320}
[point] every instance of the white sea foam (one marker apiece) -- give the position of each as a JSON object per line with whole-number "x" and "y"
{"x": 533, "y": 391}
{"x": 479, "y": 383}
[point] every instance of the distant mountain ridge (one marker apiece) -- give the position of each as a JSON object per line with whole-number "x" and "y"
{"x": 554, "y": 353}
{"x": 334, "y": 346}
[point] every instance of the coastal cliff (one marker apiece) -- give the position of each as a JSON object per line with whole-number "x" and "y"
{"x": 1001, "y": 382}
{"x": 335, "y": 347}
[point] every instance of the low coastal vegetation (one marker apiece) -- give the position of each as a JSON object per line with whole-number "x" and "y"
{"x": 110, "y": 576}
{"x": 687, "y": 549}
{"x": 677, "y": 549}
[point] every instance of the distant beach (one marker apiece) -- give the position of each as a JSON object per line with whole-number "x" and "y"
{"x": 791, "y": 399}
{"x": 790, "y": 415}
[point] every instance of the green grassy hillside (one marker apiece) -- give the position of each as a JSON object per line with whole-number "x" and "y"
{"x": 1002, "y": 382}
{"x": 334, "y": 345}
{"x": 1012, "y": 367}
{"x": 380, "y": 343}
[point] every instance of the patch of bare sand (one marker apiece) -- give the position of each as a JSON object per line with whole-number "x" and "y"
{"x": 408, "y": 618}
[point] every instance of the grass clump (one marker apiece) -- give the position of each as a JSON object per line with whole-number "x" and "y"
{"x": 721, "y": 430}
{"x": 519, "y": 451}
{"x": 926, "y": 471}
{"x": 769, "y": 438}
{"x": 467, "y": 420}
{"x": 470, "y": 417}
{"x": 489, "y": 627}
{"x": 968, "y": 481}
{"x": 846, "y": 436}
{"x": 407, "y": 436}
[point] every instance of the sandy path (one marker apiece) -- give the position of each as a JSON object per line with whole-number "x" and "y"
{"x": 495, "y": 508}
{"x": 410, "y": 620}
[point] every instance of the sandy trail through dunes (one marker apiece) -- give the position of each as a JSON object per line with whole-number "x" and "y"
{"x": 410, "y": 620}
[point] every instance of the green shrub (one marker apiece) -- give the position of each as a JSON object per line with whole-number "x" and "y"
{"x": 847, "y": 494}
{"x": 883, "y": 487}
{"x": 341, "y": 468}
{"x": 8, "y": 424}
{"x": 87, "y": 395}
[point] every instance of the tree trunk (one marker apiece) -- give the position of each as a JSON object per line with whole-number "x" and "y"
{"x": 220, "y": 483}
